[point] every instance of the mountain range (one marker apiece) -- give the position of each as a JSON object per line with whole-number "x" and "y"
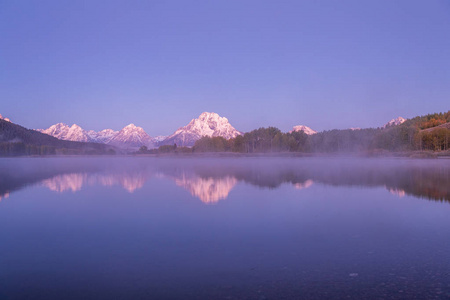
{"x": 132, "y": 137}
{"x": 129, "y": 137}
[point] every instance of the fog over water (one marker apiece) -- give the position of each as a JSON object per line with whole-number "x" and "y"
{"x": 224, "y": 228}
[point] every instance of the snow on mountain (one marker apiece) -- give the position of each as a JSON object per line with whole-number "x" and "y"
{"x": 160, "y": 138}
{"x": 131, "y": 136}
{"x": 64, "y": 132}
{"x": 4, "y": 118}
{"x": 303, "y": 128}
{"x": 207, "y": 124}
{"x": 394, "y": 122}
{"x": 103, "y": 136}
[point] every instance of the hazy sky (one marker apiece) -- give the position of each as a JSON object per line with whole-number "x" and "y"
{"x": 158, "y": 64}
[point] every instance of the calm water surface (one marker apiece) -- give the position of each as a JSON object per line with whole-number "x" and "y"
{"x": 226, "y": 228}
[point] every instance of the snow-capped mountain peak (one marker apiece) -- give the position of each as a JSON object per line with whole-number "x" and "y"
{"x": 303, "y": 128}
{"x": 77, "y": 133}
{"x": 132, "y": 129}
{"x": 55, "y": 129}
{"x": 395, "y": 122}
{"x": 131, "y": 136}
{"x": 207, "y": 124}
{"x": 4, "y": 118}
{"x": 64, "y": 132}
{"x": 130, "y": 126}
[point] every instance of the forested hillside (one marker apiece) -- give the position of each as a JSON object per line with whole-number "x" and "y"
{"x": 419, "y": 133}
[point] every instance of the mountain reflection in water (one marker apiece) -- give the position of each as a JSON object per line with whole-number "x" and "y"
{"x": 208, "y": 190}
{"x": 66, "y": 182}
{"x": 211, "y": 180}
{"x": 75, "y": 181}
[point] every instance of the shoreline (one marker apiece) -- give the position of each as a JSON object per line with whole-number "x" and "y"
{"x": 372, "y": 154}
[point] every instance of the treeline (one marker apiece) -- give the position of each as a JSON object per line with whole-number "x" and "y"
{"x": 413, "y": 135}
{"x": 260, "y": 140}
{"x": 430, "y": 132}
{"x": 21, "y": 149}
{"x": 269, "y": 139}
{"x": 163, "y": 149}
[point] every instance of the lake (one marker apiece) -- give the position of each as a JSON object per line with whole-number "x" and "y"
{"x": 224, "y": 228}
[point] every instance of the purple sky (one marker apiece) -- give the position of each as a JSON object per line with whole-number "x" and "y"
{"x": 158, "y": 64}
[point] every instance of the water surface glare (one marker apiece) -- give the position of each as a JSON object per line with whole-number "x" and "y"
{"x": 224, "y": 228}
